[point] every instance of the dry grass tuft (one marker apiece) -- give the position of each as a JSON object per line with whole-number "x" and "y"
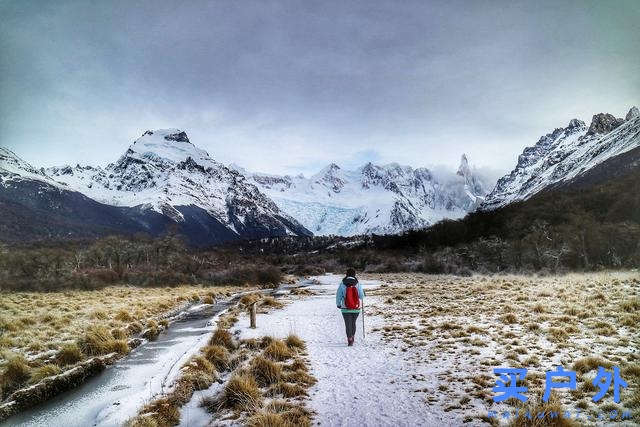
{"x": 557, "y": 335}
{"x": 218, "y": 355}
{"x": 288, "y": 390}
{"x": 16, "y": 372}
{"x": 222, "y": 337}
{"x": 301, "y": 377}
{"x": 163, "y": 413}
{"x": 265, "y": 371}
{"x": 295, "y": 342}
{"x": 268, "y": 419}
{"x": 98, "y": 340}
{"x": 123, "y": 315}
{"x": 44, "y": 371}
{"x": 119, "y": 333}
{"x": 549, "y": 408}
{"x": 631, "y": 306}
{"x": 241, "y": 392}
{"x": 509, "y": 318}
{"x": 69, "y": 354}
{"x": 278, "y": 351}
{"x": 590, "y": 363}
{"x": 270, "y": 301}
{"x": 200, "y": 364}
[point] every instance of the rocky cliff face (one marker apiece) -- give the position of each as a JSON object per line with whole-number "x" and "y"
{"x": 565, "y": 154}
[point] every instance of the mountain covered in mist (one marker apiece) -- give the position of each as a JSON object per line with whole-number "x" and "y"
{"x": 380, "y": 199}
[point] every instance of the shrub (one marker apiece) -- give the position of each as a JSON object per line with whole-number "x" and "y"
{"x": 268, "y": 276}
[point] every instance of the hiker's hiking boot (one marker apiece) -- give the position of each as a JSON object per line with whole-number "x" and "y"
{"x": 350, "y": 341}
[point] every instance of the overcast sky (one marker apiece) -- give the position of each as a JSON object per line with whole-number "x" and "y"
{"x": 287, "y": 87}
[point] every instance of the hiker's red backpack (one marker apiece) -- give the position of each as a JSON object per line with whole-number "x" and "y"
{"x": 351, "y": 297}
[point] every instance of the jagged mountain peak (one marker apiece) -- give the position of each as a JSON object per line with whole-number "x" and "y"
{"x": 164, "y": 172}
{"x": 379, "y": 199}
{"x": 633, "y": 113}
{"x": 13, "y": 167}
{"x": 564, "y": 154}
{"x": 332, "y": 177}
{"x": 463, "y": 169}
{"x": 575, "y": 123}
{"x": 165, "y": 145}
{"x": 330, "y": 170}
{"x": 603, "y": 123}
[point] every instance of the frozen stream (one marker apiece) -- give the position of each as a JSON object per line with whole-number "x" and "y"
{"x": 115, "y": 395}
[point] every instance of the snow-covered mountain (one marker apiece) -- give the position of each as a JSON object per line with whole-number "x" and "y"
{"x": 565, "y": 154}
{"x": 163, "y": 173}
{"x": 373, "y": 199}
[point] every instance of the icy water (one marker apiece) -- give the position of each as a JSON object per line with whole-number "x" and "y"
{"x": 114, "y": 396}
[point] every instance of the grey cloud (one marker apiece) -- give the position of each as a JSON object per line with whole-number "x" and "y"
{"x": 418, "y": 82}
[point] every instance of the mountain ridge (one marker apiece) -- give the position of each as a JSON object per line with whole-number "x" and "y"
{"x": 373, "y": 199}
{"x": 564, "y": 154}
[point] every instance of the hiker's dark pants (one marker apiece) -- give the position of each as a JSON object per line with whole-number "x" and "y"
{"x": 350, "y": 323}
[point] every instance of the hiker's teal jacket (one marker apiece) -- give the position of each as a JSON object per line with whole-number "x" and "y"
{"x": 342, "y": 289}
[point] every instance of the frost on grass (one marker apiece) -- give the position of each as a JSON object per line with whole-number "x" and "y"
{"x": 459, "y": 329}
{"x": 44, "y": 334}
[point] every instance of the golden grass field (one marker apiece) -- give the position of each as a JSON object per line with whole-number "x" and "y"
{"x": 453, "y": 330}
{"x": 43, "y": 333}
{"x": 456, "y": 330}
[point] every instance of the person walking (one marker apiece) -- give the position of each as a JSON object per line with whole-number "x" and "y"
{"x": 349, "y": 300}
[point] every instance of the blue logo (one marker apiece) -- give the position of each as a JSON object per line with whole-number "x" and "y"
{"x": 507, "y": 384}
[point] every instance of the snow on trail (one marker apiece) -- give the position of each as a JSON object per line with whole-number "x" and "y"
{"x": 369, "y": 384}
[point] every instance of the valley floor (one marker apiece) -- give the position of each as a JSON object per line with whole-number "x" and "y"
{"x": 432, "y": 343}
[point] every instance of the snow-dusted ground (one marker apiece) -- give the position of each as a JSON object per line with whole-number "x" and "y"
{"x": 370, "y": 384}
